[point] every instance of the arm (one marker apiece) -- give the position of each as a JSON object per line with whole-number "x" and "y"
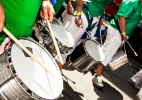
{"x": 122, "y": 25}
{"x": 69, "y": 7}
{"x": 116, "y": 3}
{"x": 47, "y": 10}
{"x": 2, "y": 17}
{"x": 79, "y": 6}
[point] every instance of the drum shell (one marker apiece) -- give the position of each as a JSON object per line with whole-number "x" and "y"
{"x": 12, "y": 86}
{"x": 81, "y": 60}
{"x": 63, "y": 38}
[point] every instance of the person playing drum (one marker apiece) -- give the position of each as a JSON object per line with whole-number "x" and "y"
{"x": 20, "y": 18}
{"x": 91, "y": 9}
{"x": 127, "y": 18}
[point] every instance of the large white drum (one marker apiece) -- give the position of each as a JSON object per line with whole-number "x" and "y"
{"x": 21, "y": 78}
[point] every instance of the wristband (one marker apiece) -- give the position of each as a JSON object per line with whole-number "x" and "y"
{"x": 74, "y": 0}
{"x": 78, "y": 13}
{"x": 123, "y": 33}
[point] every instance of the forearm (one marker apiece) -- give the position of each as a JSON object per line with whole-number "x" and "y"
{"x": 2, "y": 17}
{"x": 116, "y": 3}
{"x": 79, "y": 5}
{"x": 122, "y": 23}
{"x": 69, "y": 2}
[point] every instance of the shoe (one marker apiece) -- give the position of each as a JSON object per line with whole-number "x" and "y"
{"x": 138, "y": 97}
{"x": 133, "y": 84}
{"x": 98, "y": 81}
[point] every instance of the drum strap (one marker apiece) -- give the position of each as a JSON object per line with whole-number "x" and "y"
{"x": 91, "y": 25}
{"x": 117, "y": 25}
{"x": 123, "y": 44}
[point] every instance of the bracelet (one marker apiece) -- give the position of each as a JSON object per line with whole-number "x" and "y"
{"x": 78, "y": 13}
{"x": 123, "y": 33}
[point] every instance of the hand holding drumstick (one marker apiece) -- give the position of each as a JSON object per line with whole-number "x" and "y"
{"x": 25, "y": 49}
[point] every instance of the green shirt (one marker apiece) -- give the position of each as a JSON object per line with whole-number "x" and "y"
{"x": 97, "y": 7}
{"x": 20, "y": 16}
{"x": 132, "y": 11}
{"x": 58, "y": 5}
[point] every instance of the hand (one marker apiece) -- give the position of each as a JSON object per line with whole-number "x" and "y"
{"x": 70, "y": 8}
{"x": 78, "y": 22}
{"x": 124, "y": 37}
{"x": 47, "y": 11}
{"x": 2, "y": 17}
{"x": 59, "y": 65}
{"x": 102, "y": 22}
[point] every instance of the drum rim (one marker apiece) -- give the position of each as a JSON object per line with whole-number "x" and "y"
{"x": 86, "y": 49}
{"x": 32, "y": 40}
{"x": 61, "y": 24}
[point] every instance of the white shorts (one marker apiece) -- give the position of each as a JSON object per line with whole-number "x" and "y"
{"x": 111, "y": 44}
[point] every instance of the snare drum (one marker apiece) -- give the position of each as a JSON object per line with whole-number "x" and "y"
{"x": 69, "y": 23}
{"x": 64, "y": 39}
{"x": 25, "y": 79}
{"x": 86, "y": 54}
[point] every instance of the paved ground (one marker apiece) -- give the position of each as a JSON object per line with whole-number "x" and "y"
{"x": 79, "y": 86}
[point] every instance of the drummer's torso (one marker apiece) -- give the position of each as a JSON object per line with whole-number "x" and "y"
{"x": 96, "y": 7}
{"x": 20, "y": 15}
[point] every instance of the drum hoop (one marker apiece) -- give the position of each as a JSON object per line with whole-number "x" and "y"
{"x": 32, "y": 92}
{"x": 18, "y": 79}
{"x": 85, "y": 48}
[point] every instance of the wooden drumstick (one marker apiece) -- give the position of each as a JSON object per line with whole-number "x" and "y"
{"x": 54, "y": 41}
{"x": 25, "y": 49}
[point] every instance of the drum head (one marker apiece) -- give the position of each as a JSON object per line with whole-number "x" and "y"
{"x": 32, "y": 74}
{"x": 94, "y": 50}
{"x": 62, "y": 34}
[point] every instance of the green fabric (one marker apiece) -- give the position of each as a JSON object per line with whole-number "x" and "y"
{"x": 132, "y": 11}
{"x": 97, "y": 7}
{"x": 90, "y": 26}
{"x": 58, "y": 5}
{"x": 20, "y": 16}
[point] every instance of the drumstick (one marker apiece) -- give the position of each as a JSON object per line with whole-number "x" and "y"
{"x": 25, "y": 49}
{"x": 54, "y": 41}
{"x": 88, "y": 32}
{"x": 132, "y": 48}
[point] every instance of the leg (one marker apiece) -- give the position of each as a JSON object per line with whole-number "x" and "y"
{"x": 97, "y": 79}
{"x": 112, "y": 43}
{"x": 99, "y": 69}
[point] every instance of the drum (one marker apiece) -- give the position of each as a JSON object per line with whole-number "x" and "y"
{"x": 69, "y": 23}
{"x": 21, "y": 78}
{"x": 86, "y": 54}
{"x": 64, "y": 39}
